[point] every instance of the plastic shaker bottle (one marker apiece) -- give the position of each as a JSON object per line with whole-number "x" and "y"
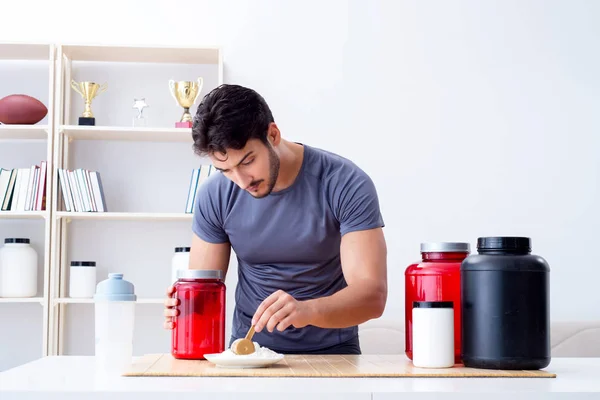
{"x": 114, "y": 318}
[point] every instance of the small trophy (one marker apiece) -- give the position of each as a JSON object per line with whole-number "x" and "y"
{"x": 185, "y": 93}
{"x": 88, "y": 90}
{"x": 139, "y": 120}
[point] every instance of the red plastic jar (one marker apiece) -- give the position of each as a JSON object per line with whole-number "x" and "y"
{"x": 435, "y": 278}
{"x": 200, "y": 326}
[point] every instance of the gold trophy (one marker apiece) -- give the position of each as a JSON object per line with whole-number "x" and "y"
{"x": 185, "y": 93}
{"x": 88, "y": 90}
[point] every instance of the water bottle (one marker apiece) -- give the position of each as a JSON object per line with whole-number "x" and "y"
{"x": 114, "y": 318}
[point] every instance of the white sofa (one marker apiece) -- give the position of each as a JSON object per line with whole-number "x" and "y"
{"x": 568, "y": 339}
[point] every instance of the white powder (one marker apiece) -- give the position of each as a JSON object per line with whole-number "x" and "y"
{"x": 259, "y": 352}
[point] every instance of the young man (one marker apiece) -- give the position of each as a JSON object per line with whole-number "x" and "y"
{"x": 304, "y": 223}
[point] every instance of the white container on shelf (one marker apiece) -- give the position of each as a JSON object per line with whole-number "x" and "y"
{"x": 180, "y": 260}
{"x": 18, "y": 268}
{"x": 114, "y": 324}
{"x": 82, "y": 279}
{"x": 433, "y": 334}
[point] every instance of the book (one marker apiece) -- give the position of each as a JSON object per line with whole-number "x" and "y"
{"x": 198, "y": 177}
{"x": 23, "y": 189}
{"x": 81, "y": 190}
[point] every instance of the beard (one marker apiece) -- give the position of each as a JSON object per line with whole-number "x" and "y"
{"x": 274, "y": 165}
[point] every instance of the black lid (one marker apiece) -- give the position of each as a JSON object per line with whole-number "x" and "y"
{"x": 433, "y": 304}
{"x": 83, "y": 263}
{"x": 182, "y": 249}
{"x": 16, "y": 240}
{"x": 504, "y": 243}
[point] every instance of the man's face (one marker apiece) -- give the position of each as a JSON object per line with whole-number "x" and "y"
{"x": 254, "y": 168}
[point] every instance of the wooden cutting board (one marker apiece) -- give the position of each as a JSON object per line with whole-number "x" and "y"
{"x": 334, "y": 366}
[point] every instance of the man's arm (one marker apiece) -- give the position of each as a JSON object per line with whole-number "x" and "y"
{"x": 203, "y": 255}
{"x": 364, "y": 264}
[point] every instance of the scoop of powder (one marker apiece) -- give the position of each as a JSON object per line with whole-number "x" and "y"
{"x": 259, "y": 352}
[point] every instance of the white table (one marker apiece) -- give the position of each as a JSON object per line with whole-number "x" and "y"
{"x": 71, "y": 377}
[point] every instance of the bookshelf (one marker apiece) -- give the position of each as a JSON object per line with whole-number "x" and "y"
{"x": 24, "y": 132}
{"x": 179, "y": 135}
{"x": 23, "y": 300}
{"x": 145, "y": 172}
{"x": 67, "y": 300}
{"x": 24, "y": 214}
{"x": 30, "y": 69}
{"x": 124, "y": 216}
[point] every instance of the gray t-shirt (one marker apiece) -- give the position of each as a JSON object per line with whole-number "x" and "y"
{"x": 290, "y": 240}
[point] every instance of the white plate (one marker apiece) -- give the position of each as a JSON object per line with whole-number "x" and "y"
{"x": 242, "y": 361}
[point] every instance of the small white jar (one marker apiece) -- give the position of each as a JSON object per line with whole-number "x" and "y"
{"x": 18, "y": 268}
{"x": 433, "y": 334}
{"x": 82, "y": 279}
{"x": 180, "y": 260}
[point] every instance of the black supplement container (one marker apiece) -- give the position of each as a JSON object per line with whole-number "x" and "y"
{"x": 505, "y": 306}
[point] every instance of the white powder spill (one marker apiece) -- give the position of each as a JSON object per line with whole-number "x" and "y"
{"x": 259, "y": 352}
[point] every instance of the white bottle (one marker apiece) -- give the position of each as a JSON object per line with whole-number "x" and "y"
{"x": 114, "y": 324}
{"x": 18, "y": 268}
{"x": 180, "y": 260}
{"x": 433, "y": 334}
{"x": 82, "y": 279}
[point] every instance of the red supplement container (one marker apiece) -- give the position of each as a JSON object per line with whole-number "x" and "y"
{"x": 435, "y": 278}
{"x": 200, "y": 326}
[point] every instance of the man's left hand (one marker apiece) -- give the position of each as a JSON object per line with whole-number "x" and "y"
{"x": 280, "y": 311}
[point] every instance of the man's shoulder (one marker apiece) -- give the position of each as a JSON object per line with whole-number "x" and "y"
{"x": 350, "y": 191}
{"x": 330, "y": 166}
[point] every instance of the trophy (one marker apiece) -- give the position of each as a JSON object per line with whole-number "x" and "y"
{"x": 139, "y": 119}
{"x": 185, "y": 93}
{"x": 88, "y": 90}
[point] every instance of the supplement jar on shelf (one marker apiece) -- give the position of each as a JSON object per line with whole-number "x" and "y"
{"x": 200, "y": 326}
{"x": 505, "y": 306}
{"x": 435, "y": 278}
{"x": 180, "y": 260}
{"x": 18, "y": 268}
{"x": 82, "y": 279}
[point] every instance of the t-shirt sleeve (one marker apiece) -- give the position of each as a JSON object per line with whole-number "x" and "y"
{"x": 207, "y": 222}
{"x": 355, "y": 200}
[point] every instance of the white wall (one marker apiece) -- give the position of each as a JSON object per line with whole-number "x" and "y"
{"x": 473, "y": 118}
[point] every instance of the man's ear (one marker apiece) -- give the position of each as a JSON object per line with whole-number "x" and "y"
{"x": 274, "y": 135}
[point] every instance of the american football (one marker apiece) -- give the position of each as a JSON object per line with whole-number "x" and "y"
{"x": 21, "y": 109}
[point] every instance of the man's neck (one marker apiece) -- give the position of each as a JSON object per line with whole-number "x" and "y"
{"x": 290, "y": 158}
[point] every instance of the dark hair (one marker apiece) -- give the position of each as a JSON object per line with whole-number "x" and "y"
{"x": 228, "y": 117}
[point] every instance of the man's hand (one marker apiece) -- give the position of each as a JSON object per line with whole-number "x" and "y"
{"x": 280, "y": 311}
{"x": 171, "y": 310}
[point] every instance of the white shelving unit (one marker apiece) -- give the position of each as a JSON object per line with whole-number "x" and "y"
{"x": 40, "y": 300}
{"x": 60, "y": 135}
{"x": 23, "y": 54}
{"x": 24, "y": 214}
{"x": 25, "y": 132}
{"x": 67, "y": 134}
{"x": 124, "y": 216}
{"x": 182, "y": 135}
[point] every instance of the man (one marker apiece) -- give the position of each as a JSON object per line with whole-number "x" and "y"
{"x": 304, "y": 223}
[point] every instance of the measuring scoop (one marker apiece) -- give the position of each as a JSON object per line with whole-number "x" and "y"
{"x": 244, "y": 346}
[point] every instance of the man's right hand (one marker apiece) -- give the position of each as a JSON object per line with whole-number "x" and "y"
{"x": 170, "y": 309}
